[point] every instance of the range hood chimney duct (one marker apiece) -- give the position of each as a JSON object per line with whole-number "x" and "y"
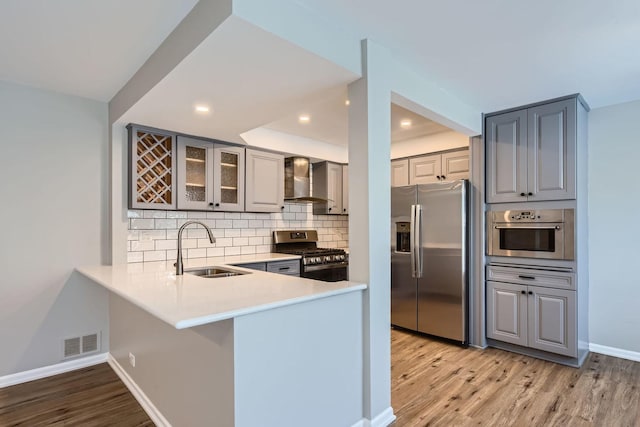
{"x": 297, "y": 184}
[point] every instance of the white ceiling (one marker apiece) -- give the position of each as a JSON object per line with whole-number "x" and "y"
{"x": 87, "y": 48}
{"x": 496, "y": 54}
{"x": 491, "y": 55}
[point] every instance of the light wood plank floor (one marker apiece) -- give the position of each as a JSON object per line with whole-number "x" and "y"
{"x": 439, "y": 384}
{"x": 92, "y": 396}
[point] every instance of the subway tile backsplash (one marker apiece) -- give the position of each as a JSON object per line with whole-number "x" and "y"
{"x": 153, "y": 234}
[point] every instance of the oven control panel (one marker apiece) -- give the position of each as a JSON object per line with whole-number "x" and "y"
{"x": 525, "y": 215}
{"x": 540, "y": 215}
{"x": 324, "y": 259}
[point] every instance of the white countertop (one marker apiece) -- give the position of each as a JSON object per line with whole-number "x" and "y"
{"x": 188, "y": 300}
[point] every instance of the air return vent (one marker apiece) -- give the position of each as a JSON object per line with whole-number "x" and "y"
{"x": 77, "y": 346}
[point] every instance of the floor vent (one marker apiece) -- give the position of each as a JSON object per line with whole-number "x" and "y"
{"x": 77, "y": 346}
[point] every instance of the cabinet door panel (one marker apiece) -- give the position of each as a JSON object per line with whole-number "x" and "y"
{"x": 425, "y": 169}
{"x": 264, "y": 181}
{"x": 195, "y": 173}
{"x": 507, "y": 312}
{"x": 400, "y": 173}
{"x": 345, "y": 189}
{"x": 334, "y": 187}
{"x": 552, "y": 148}
{"x": 506, "y": 157}
{"x": 228, "y": 190}
{"x": 455, "y": 165}
{"x": 552, "y": 320}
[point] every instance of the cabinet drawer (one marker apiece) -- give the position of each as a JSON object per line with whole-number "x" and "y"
{"x": 290, "y": 267}
{"x": 261, "y": 266}
{"x": 533, "y": 277}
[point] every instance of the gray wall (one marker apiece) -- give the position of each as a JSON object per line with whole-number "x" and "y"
{"x": 54, "y": 189}
{"x": 614, "y": 234}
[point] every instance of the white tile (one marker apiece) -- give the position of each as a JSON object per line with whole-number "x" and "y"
{"x": 240, "y": 241}
{"x": 247, "y": 215}
{"x": 268, "y": 240}
{"x": 176, "y": 214}
{"x": 231, "y": 251}
{"x": 172, "y": 254}
{"x": 240, "y": 223}
{"x": 301, "y": 216}
{"x": 215, "y": 251}
{"x": 137, "y": 245}
{"x": 134, "y": 213}
{"x": 133, "y": 235}
{"x": 263, "y": 216}
{"x": 172, "y": 234}
{"x": 294, "y": 208}
{"x": 232, "y": 232}
{"x": 180, "y": 222}
{"x": 195, "y": 233}
{"x": 166, "y": 244}
{"x": 232, "y": 215}
{"x": 141, "y": 224}
{"x": 246, "y": 250}
{"x": 248, "y": 232}
{"x": 224, "y": 223}
{"x": 189, "y": 243}
{"x": 197, "y": 253}
{"x": 215, "y": 215}
{"x": 288, "y": 216}
{"x": 269, "y": 223}
{"x": 163, "y": 224}
{"x": 154, "y": 214}
{"x": 196, "y": 215}
{"x": 263, "y": 232}
{"x": 224, "y": 242}
{"x": 155, "y": 256}
{"x": 263, "y": 249}
{"x": 135, "y": 257}
{"x": 205, "y": 243}
{"x": 256, "y": 223}
{"x": 153, "y": 235}
{"x": 331, "y": 245}
{"x": 255, "y": 241}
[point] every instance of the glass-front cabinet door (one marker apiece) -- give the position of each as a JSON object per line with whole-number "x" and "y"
{"x": 195, "y": 174}
{"x": 228, "y": 178}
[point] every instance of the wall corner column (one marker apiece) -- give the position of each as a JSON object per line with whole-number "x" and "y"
{"x": 369, "y": 222}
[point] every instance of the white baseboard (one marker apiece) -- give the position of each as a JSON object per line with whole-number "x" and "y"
{"x": 383, "y": 419}
{"x": 48, "y": 371}
{"x": 615, "y": 352}
{"x": 148, "y": 406}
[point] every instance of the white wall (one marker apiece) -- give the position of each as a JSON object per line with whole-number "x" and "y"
{"x": 614, "y": 236}
{"x": 429, "y": 144}
{"x": 54, "y": 180}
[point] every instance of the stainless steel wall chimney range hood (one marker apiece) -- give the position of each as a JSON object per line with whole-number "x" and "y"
{"x": 297, "y": 184}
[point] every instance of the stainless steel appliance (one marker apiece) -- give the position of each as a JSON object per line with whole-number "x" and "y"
{"x": 429, "y": 259}
{"x": 326, "y": 264}
{"x": 545, "y": 234}
{"x": 297, "y": 181}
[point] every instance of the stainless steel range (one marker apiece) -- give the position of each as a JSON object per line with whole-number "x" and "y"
{"x": 326, "y": 264}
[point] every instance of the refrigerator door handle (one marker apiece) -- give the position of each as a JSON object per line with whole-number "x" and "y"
{"x": 417, "y": 240}
{"x": 412, "y": 234}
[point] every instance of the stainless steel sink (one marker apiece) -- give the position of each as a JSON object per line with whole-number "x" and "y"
{"x": 214, "y": 272}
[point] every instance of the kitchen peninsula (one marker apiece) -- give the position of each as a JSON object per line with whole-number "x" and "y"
{"x": 210, "y": 351}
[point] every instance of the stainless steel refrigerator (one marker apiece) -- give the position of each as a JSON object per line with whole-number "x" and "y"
{"x": 429, "y": 259}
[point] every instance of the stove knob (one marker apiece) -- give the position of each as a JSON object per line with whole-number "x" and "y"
{"x": 317, "y": 260}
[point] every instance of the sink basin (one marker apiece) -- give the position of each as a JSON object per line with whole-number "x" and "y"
{"x": 214, "y": 272}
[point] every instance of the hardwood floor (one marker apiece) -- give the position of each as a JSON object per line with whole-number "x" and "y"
{"x": 439, "y": 384}
{"x": 92, "y": 396}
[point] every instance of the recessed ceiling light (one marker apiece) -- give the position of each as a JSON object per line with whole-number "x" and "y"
{"x": 304, "y": 118}
{"x": 347, "y": 102}
{"x": 405, "y": 123}
{"x": 202, "y": 109}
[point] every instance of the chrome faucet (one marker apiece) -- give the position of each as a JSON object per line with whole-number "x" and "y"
{"x": 178, "y": 264}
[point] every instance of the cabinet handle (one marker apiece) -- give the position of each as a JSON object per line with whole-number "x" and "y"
{"x": 523, "y": 292}
{"x": 217, "y": 204}
{"x": 530, "y": 194}
{"x": 522, "y": 194}
{"x": 444, "y": 177}
{"x": 438, "y": 176}
{"x": 344, "y": 210}
{"x": 284, "y": 268}
{"x": 330, "y": 209}
{"x": 530, "y": 292}
{"x": 527, "y": 277}
{"x": 211, "y": 204}
{"x": 281, "y": 207}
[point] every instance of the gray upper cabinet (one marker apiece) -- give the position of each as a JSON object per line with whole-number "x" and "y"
{"x": 152, "y": 169}
{"x": 345, "y": 189}
{"x": 447, "y": 166}
{"x": 195, "y": 173}
{"x": 531, "y": 153}
{"x": 264, "y": 190}
{"x": 228, "y": 178}
{"x": 399, "y": 172}
{"x": 327, "y": 184}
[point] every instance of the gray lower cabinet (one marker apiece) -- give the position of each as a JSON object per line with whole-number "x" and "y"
{"x": 533, "y": 316}
{"x": 531, "y": 152}
{"x": 290, "y": 267}
{"x": 260, "y": 266}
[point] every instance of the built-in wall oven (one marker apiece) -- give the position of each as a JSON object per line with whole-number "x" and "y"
{"x": 544, "y": 234}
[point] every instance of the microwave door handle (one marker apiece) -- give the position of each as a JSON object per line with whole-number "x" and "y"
{"x": 418, "y": 241}
{"x": 412, "y": 234}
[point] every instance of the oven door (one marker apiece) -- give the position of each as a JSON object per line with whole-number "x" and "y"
{"x": 530, "y": 240}
{"x": 327, "y": 272}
